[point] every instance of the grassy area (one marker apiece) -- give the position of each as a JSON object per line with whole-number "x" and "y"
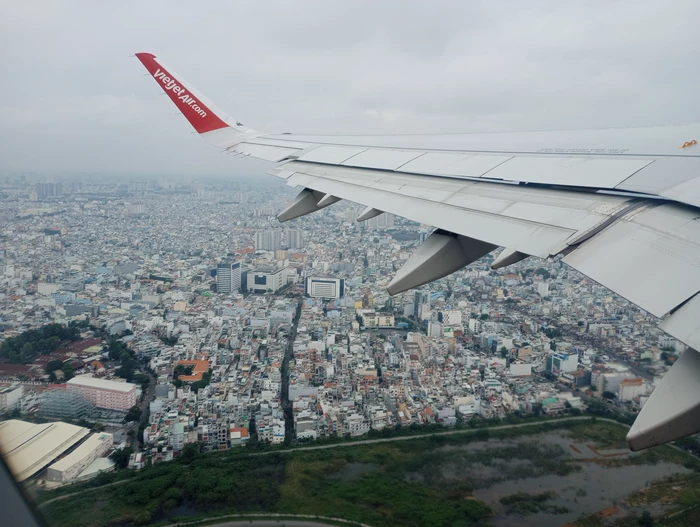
{"x": 605, "y": 435}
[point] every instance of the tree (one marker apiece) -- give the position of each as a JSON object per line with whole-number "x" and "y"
{"x": 134, "y": 414}
{"x": 608, "y": 395}
{"x": 53, "y": 365}
{"x": 646, "y": 519}
{"x": 121, "y": 456}
{"x": 67, "y": 371}
{"x": 189, "y": 453}
{"x": 504, "y": 352}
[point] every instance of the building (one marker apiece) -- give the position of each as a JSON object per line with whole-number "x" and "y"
{"x": 138, "y": 186}
{"x": 372, "y": 319}
{"x": 238, "y": 436}
{"x": 199, "y": 368}
{"x": 562, "y": 362}
{"x": 48, "y": 190}
{"x": 176, "y": 438}
{"x": 137, "y": 209}
{"x": 383, "y": 221}
{"x": 295, "y": 238}
{"x": 29, "y": 448}
{"x": 69, "y": 467}
{"x": 10, "y": 396}
{"x": 104, "y": 394}
{"x": 452, "y": 318}
{"x": 269, "y": 240}
{"x": 420, "y": 298}
{"x": 543, "y": 289}
{"x": 631, "y": 388}
{"x": 266, "y": 279}
{"x": 228, "y": 277}
{"x": 61, "y": 404}
{"x": 324, "y": 287}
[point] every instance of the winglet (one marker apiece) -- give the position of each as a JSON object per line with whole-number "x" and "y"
{"x": 202, "y": 114}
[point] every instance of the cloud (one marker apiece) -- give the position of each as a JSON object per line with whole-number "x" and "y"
{"x": 74, "y": 100}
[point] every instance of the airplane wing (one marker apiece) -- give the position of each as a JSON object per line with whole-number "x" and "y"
{"x": 620, "y": 206}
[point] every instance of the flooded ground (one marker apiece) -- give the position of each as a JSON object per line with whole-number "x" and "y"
{"x": 590, "y": 488}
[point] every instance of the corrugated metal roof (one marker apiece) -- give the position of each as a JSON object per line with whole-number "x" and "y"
{"x": 28, "y": 448}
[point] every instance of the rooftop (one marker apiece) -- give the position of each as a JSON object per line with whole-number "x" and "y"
{"x": 28, "y": 447}
{"x": 92, "y": 382}
{"x": 82, "y": 451}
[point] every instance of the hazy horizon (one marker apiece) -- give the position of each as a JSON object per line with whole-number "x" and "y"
{"x": 76, "y": 101}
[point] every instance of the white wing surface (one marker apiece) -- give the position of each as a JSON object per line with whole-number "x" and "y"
{"x": 621, "y": 206}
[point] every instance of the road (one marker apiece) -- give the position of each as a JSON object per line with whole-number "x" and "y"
{"x": 451, "y": 432}
{"x": 150, "y": 391}
{"x": 269, "y": 521}
{"x": 288, "y": 355}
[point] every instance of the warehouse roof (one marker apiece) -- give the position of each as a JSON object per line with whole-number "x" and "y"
{"x": 83, "y": 451}
{"x": 28, "y": 448}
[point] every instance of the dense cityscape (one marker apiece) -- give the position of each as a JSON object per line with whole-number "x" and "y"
{"x": 147, "y": 316}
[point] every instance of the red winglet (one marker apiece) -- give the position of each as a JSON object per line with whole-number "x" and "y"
{"x": 202, "y": 118}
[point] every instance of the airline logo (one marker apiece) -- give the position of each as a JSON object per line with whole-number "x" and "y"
{"x": 202, "y": 118}
{"x": 172, "y": 85}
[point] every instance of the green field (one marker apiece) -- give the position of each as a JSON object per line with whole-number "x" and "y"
{"x": 417, "y": 482}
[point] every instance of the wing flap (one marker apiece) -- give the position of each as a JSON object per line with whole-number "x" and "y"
{"x": 652, "y": 267}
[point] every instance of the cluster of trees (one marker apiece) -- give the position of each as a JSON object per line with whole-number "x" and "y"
{"x": 134, "y": 414}
{"x": 180, "y": 369}
{"x": 121, "y": 456}
{"x": 187, "y": 370}
{"x": 170, "y": 341}
{"x": 197, "y": 385}
{"x": 118, "y": 350}
{"x": 553, "y": 333}
{"x": 54, "y": 365}
{"x": 26, "y": 347}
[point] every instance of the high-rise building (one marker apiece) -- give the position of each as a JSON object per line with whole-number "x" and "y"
{"x": 420, "y": 298}
{"x": 385, "y": 221}
{"x": 228, "y": 277}
{"x": 325, "y": 287}
{"x": 48, "y": 190}
{"x": 138, "y": 186}
{"x": 269, "y": 240}
{"x": 295, "y": 238}
{"x": 264, "y": 279}
{"x": 137, "y": 209}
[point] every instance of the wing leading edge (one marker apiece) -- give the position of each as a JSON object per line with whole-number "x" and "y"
{"x": 620, "y": 206}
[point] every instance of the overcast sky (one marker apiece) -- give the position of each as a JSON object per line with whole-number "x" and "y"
{"x": 73, "y": 100}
